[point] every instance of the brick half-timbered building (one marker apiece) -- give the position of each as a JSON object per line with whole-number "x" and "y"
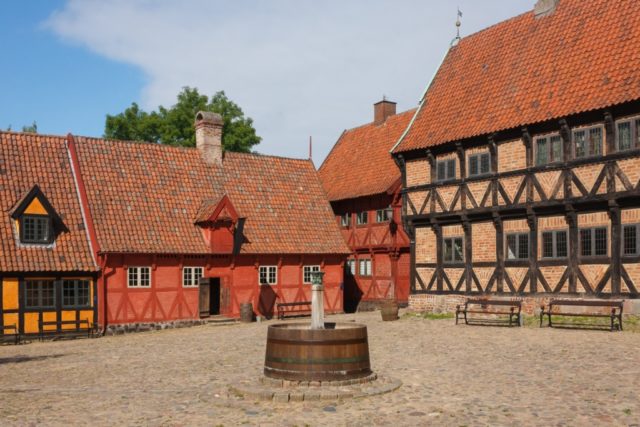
{"x": 363, "y": 185}
{"x": 143, "y": 223}
{"x": 521, "y": 168}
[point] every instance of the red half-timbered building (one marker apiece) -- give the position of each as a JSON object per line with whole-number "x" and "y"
{"x": 363, "y": 184}
{"x": 156, "y": 219}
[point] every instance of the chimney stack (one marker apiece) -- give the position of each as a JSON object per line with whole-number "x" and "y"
{"x": 545, "y": 7}
{"x": 209, "y": 137}
{"x": 382, "y": 110}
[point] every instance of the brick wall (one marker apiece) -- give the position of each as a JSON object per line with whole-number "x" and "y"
{"x": 512, "y": 155}
{"x": 425, "y": 245}
{"x": 418, "y": 172}
{"x": 483, "y": 237}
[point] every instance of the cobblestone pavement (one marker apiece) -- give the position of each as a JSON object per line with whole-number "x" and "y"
{"x": 452, "y": 375}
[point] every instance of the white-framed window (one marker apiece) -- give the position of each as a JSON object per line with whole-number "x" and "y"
{"x": 382, "y": 215}
{"x": 555, "y": 244}
{"x": 548, "y": 149}
{"x": 351, "y": 267}
{"x": 446, "y": 170}
{"x": 452, "y": 250}
{"x": 479, "y": 164}
{"x": 191, "y": 276}
{"x": 139, "y": 277}
{"x": 362, "y": 218}
{"x": 587, "y": 142}
{"x": 345, "y": 220}
{"x": 628, "y": 133}
{"x": 268, "y": 274}
{"x": 631, "y": 240}
{"x": 518, "y": 246}
{"x": 306, "y": 272}
{"x": 593, "y": 241}
{"x": 365, "y": 267}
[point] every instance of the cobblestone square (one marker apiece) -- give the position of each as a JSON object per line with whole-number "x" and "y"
{"x": 452, "y": 375}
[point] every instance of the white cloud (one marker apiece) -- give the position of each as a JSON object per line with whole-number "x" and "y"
{"x": 297, "y": 67}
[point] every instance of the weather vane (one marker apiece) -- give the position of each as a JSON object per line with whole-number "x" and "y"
{"x": 458, "y": 24}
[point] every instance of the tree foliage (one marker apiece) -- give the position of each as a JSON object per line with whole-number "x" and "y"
{"x": 174, "y": 125}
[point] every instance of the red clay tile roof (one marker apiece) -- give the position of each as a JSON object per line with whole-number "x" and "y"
{"x": 360, "y": 164}
{"x": 146, "y": 198}
{"x": 526, "y": 70}
{"x": 27, "y": 160}
{"x": 286, "y": 208}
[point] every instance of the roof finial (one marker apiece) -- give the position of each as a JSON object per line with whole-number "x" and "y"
{"x": 458, "y": 24}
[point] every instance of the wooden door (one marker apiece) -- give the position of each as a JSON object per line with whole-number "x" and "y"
{"x": 214, "y": 296}
{"x": 205, "y": 297}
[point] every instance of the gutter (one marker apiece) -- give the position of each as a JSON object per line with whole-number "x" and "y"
{"x": 422, "y": 101}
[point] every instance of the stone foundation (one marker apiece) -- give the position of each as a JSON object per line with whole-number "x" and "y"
{"x": 119, "y": 329}
{"x": 429, "y": 303}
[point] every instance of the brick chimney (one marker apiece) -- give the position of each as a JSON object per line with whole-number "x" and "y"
{"x": 382, "y": 110}
{"x": 545, "y": 7}
{"x": 209, "y": 137}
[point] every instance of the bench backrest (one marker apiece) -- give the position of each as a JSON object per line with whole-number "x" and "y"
{"x": 494, "y": 302}
{"x": 588, "y": 303}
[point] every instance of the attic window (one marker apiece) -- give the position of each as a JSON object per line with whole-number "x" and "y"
{"x": 35, "y": 229}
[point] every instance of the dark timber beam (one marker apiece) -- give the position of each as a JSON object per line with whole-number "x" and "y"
{"x": 528, "y": 144}
{"x": 610, "y": 132}
{"x": 493, "y": 153}
{"x": 565, "y": 134}
{"x": 468, "y": 255}
{"x": 437, "y": 229}
{"x": 572, "y": 221}
{"x": 463, "y": 174}
{"x": 434, "y": 173}
{"x": 497, "y": 222}
{"x": 532, "y": 221}
{"x": 616, "y": 247}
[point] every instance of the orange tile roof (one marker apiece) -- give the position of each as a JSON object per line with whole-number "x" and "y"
{"x": 360, "y": 164}
{"x": 527, "y": 70}
{"x": 27, "y": 160}
{"x": 145, "y": 198}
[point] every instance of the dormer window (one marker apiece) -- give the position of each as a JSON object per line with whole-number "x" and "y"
{"x": 36, "y": 222}
{"x": 35, "y": 229}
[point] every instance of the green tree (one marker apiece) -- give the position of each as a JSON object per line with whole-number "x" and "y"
{"x": 174, "y": 125}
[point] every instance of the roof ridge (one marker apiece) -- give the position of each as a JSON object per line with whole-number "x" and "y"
{"x": 393, "y": 117}
{"x": 46, "y": 135}
{"x": 240, "y": 153}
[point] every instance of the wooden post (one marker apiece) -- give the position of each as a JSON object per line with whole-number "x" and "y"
{"x": 468, "y": 254}
{"x": 497, "y": 222}
{"x": 463, "y": 175}
{"x": 433, "y": 178}
{"x": 528, "y": 143}
{"x": 572, "y": 265}
{"x": 532, "y": 220}
{"x": 438, "y": 231}
{"x": 565, "y": 134}
{"x": 493, "y": 153}
{"x": 616, "y": 247}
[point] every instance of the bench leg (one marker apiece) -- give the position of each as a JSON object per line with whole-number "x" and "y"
{"x": 457, "y": 313}
{"x": 541, "y": 317}
{"x": 549, "y": 317}
{"x": 620, "y": 321}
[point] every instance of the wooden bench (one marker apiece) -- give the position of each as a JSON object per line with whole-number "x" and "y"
{"x": 614, "y": 305}
{"x": 481, "y": 306}
{"x": 81, "y": 327}
{"x": 292, "y": 308}
{"x": 11, "y": 332}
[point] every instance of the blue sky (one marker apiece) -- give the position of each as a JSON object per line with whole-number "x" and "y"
{"x": 299, "y": 68}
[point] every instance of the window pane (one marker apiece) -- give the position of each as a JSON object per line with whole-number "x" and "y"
{"x": 451, "y": 169}
{"x": 68, "y": 293}
{"x": 630, "y": 240}
{"x": 484, "y": 163}
{"x": 556, "y": 148}
{"x": 133, "y": 275}
{"x": 547, "y": 245}
{"x": 637, "y": 139}
{"x": 624, "y": 135}
{"x": 145, "y": 277}
{"x": 441, "y": 171}
{"x": 580, "y": 140}
{"x": 457, "y": 253}
{"x": 523, "y": 246}
{"x": 561, "y": 244}
{"x": 448, "y": 250}
{"x": 542, "y": 152}
{"x": 186, "y": 276}
{"x": 585, "y": 242}
{"x": 511, "y": 246}
{"x": 473, "y": 165}
{"x": 595, "y": 141}
{"x": 601, "y": 242}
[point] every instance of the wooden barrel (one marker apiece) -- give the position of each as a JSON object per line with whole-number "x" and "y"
{"x": 389, "y": 311}
{"x": 297, "y": 353}
{"x": 246, "y": 312}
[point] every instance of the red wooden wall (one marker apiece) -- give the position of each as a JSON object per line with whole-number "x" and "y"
{"x": 168, "y": 300}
